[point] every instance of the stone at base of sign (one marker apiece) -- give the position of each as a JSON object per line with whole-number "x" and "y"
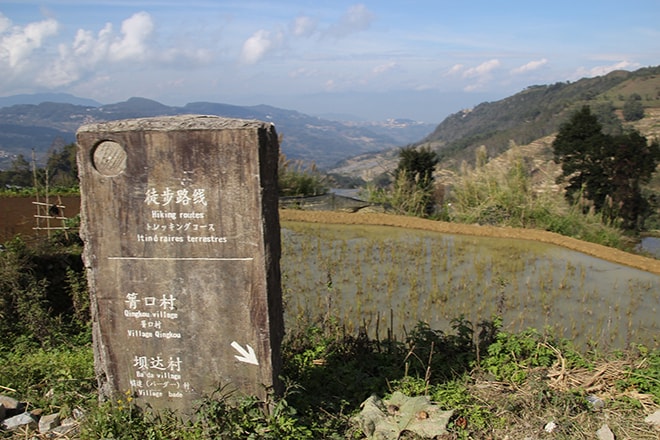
{"x": 182, "y": 248}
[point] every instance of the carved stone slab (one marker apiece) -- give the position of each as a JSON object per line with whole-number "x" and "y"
{"x": 182, "y": 248}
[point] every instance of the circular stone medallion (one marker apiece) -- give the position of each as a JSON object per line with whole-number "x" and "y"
{"x": 109, "y": 158}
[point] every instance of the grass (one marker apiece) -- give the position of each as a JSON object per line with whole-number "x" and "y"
{"x": 31, "y": 191}
{"x": 503, "y": 193}
{"x": 514, "y": 384}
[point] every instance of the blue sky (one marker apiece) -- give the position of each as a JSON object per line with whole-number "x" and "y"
{"x": 374, "y": 59}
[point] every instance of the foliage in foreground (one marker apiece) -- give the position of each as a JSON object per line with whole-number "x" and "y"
{"x": 511, "y": 385}
{"x": 497, "y": 383}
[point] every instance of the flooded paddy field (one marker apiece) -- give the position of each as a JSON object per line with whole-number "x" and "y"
{"x": 386, "y": 272}
{"x": 381, "y": 277}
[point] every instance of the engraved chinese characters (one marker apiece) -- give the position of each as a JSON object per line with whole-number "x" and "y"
{"x": 179, "y": 227}
{"x": 182, "y": 248}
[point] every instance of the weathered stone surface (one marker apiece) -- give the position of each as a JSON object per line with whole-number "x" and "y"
{"x": 68, "y": 428}
{"x": 180, "y": 222}
{"x": 48, "y": 422}
{"x": 19, "y": 421}
{"x": 654, "y": 419}
{"x": 605, "y": 433}
{"x": 10, "y": 407}
{"x": 9, "y": 402}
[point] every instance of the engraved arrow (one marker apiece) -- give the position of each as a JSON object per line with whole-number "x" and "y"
{"x": 248, "y": 356}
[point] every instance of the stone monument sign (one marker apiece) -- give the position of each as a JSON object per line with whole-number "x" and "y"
{"x": 182, "y": 249}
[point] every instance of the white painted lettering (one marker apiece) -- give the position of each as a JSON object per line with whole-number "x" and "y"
{"x": 135, "y": 314}
{"x": 191, "y": 215}
{"x": 206, "y": 239}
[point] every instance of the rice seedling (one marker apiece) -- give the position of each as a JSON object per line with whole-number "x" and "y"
{"x": 434, "y": 277}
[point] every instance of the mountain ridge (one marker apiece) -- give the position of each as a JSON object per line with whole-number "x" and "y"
{"x": 363, "y": 149}
{"x": 38, "y": 98}
{"x": 39, "y": 127}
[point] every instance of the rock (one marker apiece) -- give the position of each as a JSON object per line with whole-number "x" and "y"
{"x": 654, "y": 419}
{"x": 550, "y": 426}
{"x": 47, "y": 423}
{"x": 604, "y": 433}
{"x": 596, "y": 402}
{"x": 78, "y": 414}
{"x": 10, "y": 403}
{"x": 21, "y": 420}
{"x": 12, "y": 406}
{"x": 2, "y": 412}
{"x": 65, "y": 431}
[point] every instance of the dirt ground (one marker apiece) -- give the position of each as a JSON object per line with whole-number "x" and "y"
{"x": 17, "y": 215}
{"x": 375, "y": 219}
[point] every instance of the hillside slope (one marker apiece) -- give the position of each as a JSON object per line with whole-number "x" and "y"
{"x": 521, "y": 119}
{"x": 537, "y": 111}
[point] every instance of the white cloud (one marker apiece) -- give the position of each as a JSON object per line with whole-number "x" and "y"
{"x": 303, "y": 72}
{"x": 5, "y": 23}
{"x": 90, "y": 49}
{"x": 18, "y": 43}
{"x": 356, "y": 19}
{"x": 482, "y": 69}
{"x": 256, "y": 46}
{"x": 303, "y": 26}
{"x": 135, "y": 33}
{"x": 176, "y": 56}
{"x": 90, "y": 53}
{"x": 604, "y": 70}
{"x": 481, "y": 74}
{"x": 382, "y": 68}
{"x": 532, "y": 65}
{"x": 456, "y": 69}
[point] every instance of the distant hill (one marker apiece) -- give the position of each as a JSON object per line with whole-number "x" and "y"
{"x": 531, "y": 114}
{"x": 24, "y": 127}
{"x": 537, "y": 112}
{"x": 38, "y": 98}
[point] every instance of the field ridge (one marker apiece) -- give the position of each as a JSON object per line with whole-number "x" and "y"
{"x": 377, "y": 219}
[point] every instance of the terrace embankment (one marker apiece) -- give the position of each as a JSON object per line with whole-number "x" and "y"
{"x": 375, "y": 219}
{"x": 18, "y": 217}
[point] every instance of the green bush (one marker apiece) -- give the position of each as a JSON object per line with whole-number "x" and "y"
{"x": 504, "y": 196}
{"x": 53, "y": 379}
{"x": 42, "y": 292}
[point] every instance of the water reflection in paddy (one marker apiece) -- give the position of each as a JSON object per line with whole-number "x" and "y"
{"x": 383, "y": 277}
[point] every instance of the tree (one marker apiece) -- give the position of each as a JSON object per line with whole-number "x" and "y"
{"x": 607, "y": 170}
{"x": 62, "y": 167}
{"x": 413, "y": 180}
{"x": 631, "y": 162}
{"x": 418, "y": 165}
{"x": 19, "y": 175}
{"x": 633, "y": 110}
